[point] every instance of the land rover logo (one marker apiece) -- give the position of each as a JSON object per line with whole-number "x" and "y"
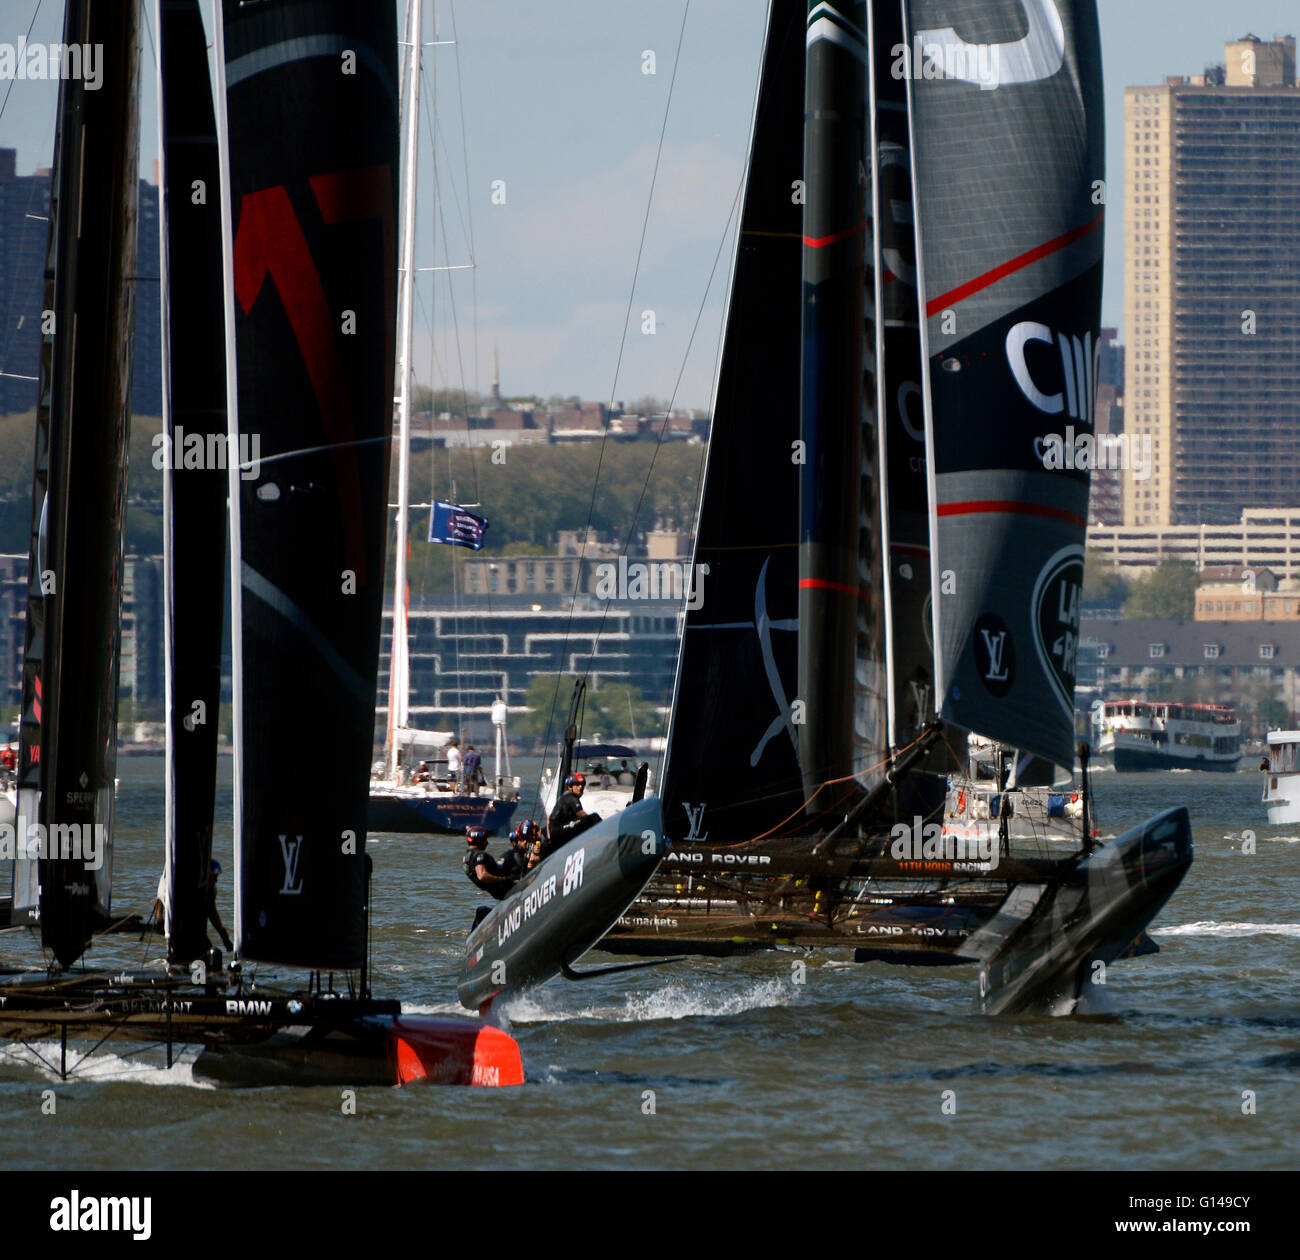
{"x": 995, "y": 654}
{"x": 1057, "y": 594}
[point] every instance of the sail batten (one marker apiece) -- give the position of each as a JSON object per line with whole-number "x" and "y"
{"x": 1006, "y": 127}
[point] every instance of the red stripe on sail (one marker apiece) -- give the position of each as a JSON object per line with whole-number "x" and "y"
{"x": 816, "y": 242}
{"x": 1000, "y": 272}
{"x": 822, "y": 584}
{"x": 973, "y": 506}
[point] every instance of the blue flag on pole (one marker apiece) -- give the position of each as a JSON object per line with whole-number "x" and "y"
{"x": 452, "y": 524}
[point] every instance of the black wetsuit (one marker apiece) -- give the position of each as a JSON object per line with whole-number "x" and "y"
{"x": 514, "y": 862}
{"x": 479, "y": 860}
{"x": 566, "y": 822}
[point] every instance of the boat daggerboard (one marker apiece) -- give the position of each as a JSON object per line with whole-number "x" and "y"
{"x": 842, "y": 677}
{"x": 1007, "y": 155}
{"x": 311, "y": 106}
{"x": 69, "y": 726}
{"x": 195, "y": 486}
{"x": 732, "y": 770}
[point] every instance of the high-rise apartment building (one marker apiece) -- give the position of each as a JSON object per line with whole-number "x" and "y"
{"x": 1212, "y": 288}
{"x": 24, "y": 229}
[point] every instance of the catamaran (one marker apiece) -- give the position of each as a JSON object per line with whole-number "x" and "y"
{"x": 892, "y": 560}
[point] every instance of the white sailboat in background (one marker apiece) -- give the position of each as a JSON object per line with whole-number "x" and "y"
{"x": 417, "y": 788}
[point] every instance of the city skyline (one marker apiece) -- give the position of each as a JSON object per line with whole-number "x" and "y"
{"x": 555, "y": 261}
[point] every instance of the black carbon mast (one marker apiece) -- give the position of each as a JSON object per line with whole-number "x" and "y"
{"x": 194, "y": 489}
{"x": 70, "y": 680}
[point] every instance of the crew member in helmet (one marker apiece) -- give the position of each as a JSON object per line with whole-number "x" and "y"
{"x": 568, "y": 818}
{"x": 482, "y": 868}
{"x": 514, "y": 862}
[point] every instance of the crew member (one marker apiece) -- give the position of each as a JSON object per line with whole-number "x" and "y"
{"x": 158, "y": 917}
{"x": 482, "y": 868}
{"x": 453, "y": 764}
{"x": 473, "y": 774}
{"x": 514, "y": 862}
{"x": 568, "y": 818}
{"x": 214, "y": 915}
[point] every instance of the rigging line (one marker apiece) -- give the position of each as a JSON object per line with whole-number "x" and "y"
{"x": 613, "y": 392}
{"x": 4, "y": 354}
{"x": 663, "y": 428}
{"x": 473, "y": 457}
{"x": 460, "y": 358}
{"x": 30, "y": 26}
{"x": 153, "y": 48}
{"x": 469, "y": 205}
{"x": 434, "y": 128}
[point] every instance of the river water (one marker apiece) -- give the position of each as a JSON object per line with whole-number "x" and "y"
{"x": 1193, "y": 1061}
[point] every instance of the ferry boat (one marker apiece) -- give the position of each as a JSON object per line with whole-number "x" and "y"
{"x": 1282, "y": 781}
{"x": 1159, "y": 735}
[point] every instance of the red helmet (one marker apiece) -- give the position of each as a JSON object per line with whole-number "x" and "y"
{"x": 576, "y": 779}
{"x": 476, "y": 836}
{"x": 526, "y": 831}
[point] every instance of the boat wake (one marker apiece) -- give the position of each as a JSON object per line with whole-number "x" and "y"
{"x": 1210, "y": 927}
{"x": 674, "y": 1001}
{"x": 103, "y": 1065}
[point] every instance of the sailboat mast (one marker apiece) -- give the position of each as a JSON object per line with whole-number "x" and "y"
{"x": 194, "y": 498}
{"x": 841, "y": 618}
{"x": 882, "y": 410}
{"x": 78, "y": 540}
{"x": 169, "y": 541}
{"x": 232, "y": 434}
{"x": 399, "y": 682}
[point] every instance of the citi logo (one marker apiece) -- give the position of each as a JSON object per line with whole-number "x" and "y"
{"x": 1075, "y": 386}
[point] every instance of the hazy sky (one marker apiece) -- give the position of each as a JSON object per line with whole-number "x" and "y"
{"x": 557, "y": 106}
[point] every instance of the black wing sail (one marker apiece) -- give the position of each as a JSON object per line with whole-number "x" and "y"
{"x": 899, "y": 391}
{"x": 732, "y": 770}
{"x": 194, "y": 399}
{"x": 311, "y": 100}
{"x": 74, "y": 631}
{"x": 1007, "y": 129}
{"x": 842, "y": 681}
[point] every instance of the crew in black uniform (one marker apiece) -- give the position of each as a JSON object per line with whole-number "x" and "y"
{"x": 568, "y": 818}
{"x": 514, "y": 862}
{"x": 482, "y": 868}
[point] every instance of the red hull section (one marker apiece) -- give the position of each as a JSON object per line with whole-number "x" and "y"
{"x": 452, "y": 1052}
